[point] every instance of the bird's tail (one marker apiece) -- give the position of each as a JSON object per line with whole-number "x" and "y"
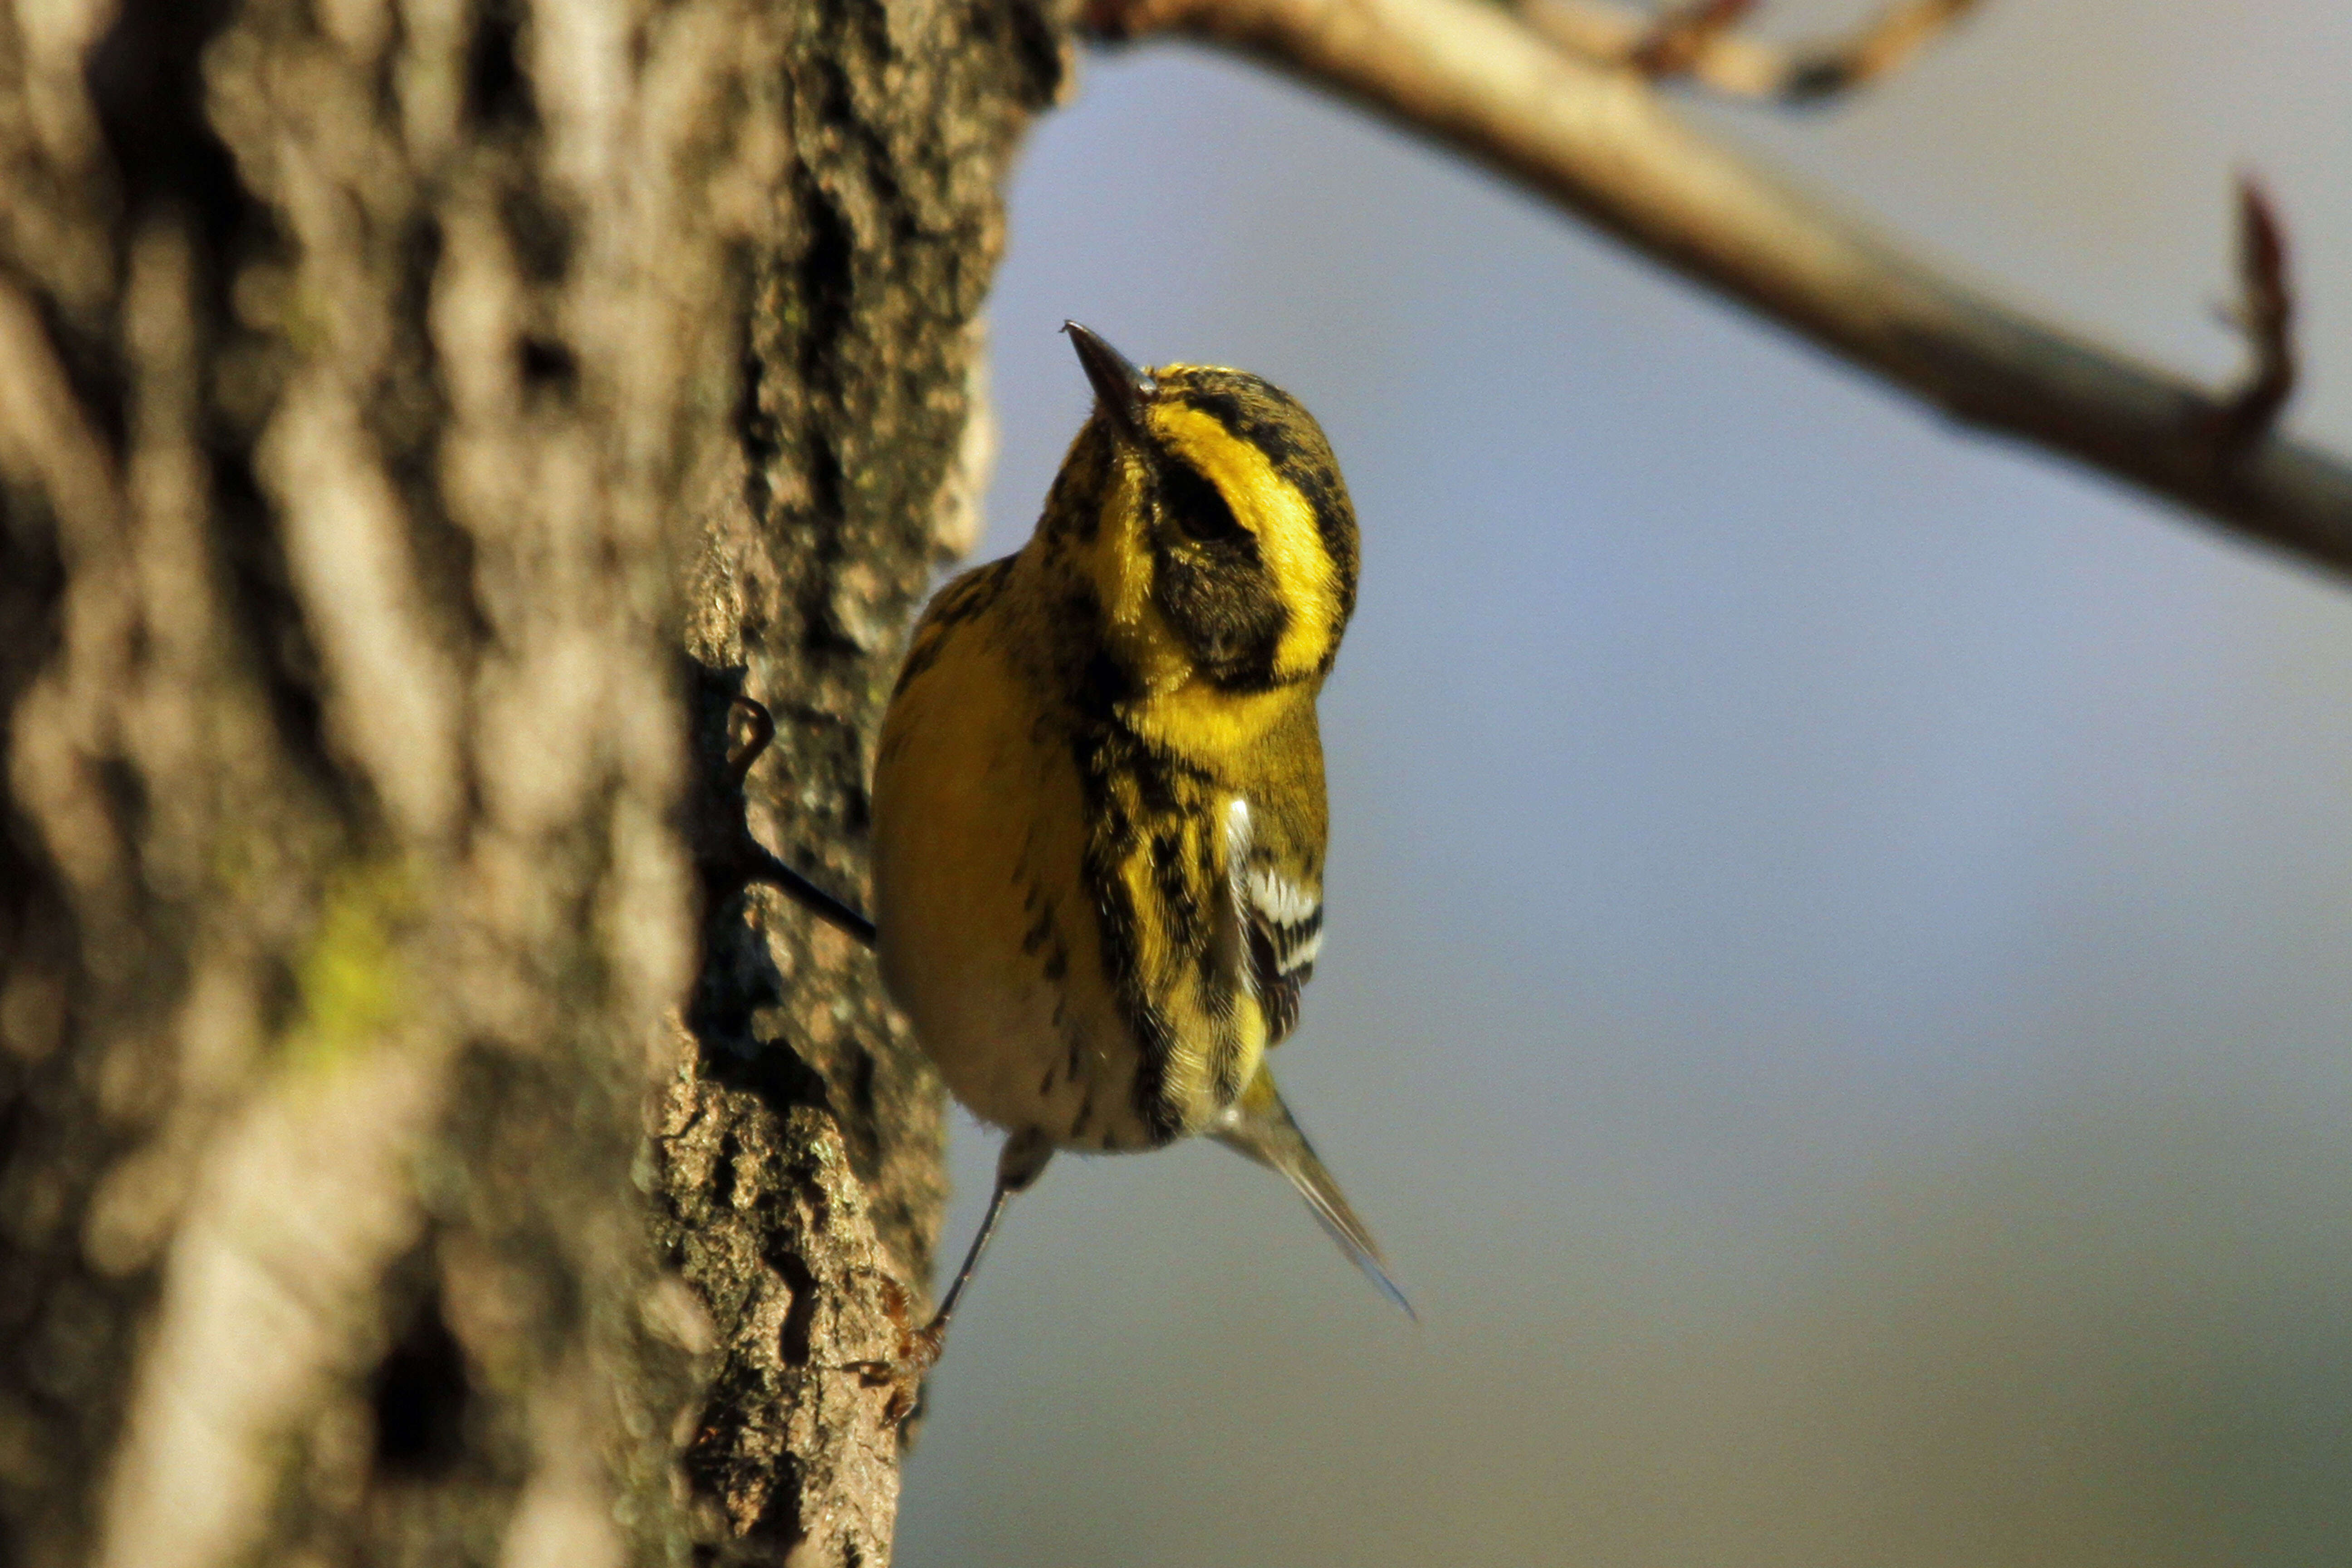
{"x": 1261, "y": 1127}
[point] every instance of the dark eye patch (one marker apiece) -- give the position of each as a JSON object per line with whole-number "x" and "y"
{"x": 1199, "y": 509}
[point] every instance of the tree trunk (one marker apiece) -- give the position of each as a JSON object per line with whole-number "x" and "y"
{"x": 419, "y": 420}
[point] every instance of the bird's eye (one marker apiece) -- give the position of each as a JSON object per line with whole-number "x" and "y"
{"x": 1196, "y": 505}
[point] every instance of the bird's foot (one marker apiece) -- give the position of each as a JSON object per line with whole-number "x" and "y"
{"x": 903, "y": 1372}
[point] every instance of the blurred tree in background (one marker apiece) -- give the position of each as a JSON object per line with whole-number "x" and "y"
{"x": 417, "y": 421}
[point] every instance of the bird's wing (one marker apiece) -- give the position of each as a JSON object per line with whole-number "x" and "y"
{"x": 1283, "y": 917}
{"x": 1277, "y": 872}
{"x": 1278, "y": 912}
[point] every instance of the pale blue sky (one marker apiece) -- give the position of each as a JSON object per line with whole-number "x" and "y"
{"x": 1836, "y": 999}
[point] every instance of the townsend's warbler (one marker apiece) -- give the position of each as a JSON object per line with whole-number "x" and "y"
{"x": 1098, "y": 815}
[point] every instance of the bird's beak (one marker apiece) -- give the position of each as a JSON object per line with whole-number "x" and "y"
{"x": 1119, "y": 388}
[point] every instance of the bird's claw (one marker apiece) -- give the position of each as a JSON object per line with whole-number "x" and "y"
{"x": 903, "y": 1373}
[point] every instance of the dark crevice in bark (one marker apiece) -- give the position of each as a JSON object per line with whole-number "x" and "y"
{"x": 408, "y": 419}
{"x": 497, "y": 92}
{"x": 32, "y": 583}
{"x": 146, "y": 84}
{"x": 148, "y": 91}
{"x": 418, "y": 1397}
{"x": 282, "y": 655}
{"x": 543, "y": 234}
{"x": 826, "y": 293}
{"x": 800, "y": 1317}
{"x": 756, "y": 438}
{"x": 88, "y": 359}
{"x": 549, "y": 368}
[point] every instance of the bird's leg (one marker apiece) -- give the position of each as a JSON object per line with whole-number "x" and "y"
{"x": 1024, "y": 1159}
{"x": 1022, "y": 1163}
{"x": 747, "y": 861}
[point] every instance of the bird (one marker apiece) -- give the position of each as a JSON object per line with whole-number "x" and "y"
{"x": 1098, "y": 815}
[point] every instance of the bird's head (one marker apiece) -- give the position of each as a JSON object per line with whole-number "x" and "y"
{"x": 1206, "y": 508}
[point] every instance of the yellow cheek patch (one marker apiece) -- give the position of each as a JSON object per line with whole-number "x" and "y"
{"x": 1288, "y": 538}
{"x": 1119, "y": 561}
{"x": 1115, "y": 558}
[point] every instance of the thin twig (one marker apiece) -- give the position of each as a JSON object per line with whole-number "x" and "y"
{"x": 1700, "y": 41}
{"x": 1680, "y": 35}
{"x": 1597, "y": 141}
{"x": 1885, "y": 45}
{"x": 2265, "y": 313}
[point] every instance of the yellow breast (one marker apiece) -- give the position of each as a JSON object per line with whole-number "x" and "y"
{"x": 986, "y": 936}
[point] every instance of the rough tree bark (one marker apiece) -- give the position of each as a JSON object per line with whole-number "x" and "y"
{"x": 418, "y": 419}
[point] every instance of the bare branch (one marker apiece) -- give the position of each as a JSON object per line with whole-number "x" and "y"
{"x": 2265, "y": 313}
{"x": 1596, "y": 141}
{"x": 1700, "y": 41}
